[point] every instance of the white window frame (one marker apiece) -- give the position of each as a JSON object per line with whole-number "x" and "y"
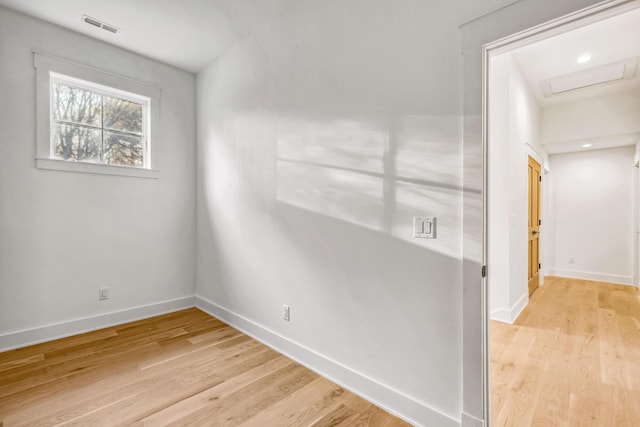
{"x": 101, "y": 90}
{"x": 51, "y": 70}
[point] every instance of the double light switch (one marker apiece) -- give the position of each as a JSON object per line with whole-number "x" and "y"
{"x": 424, "y": 227}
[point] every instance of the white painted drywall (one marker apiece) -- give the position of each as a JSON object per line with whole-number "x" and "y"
{"x": 513, "y": 136}
{"x": 636, "y": 215}
{"x": 499, "y": 218}
{"x": 602, "y": 116}
{"x": 63, "y": 235}
{"x": 525, "y": 137}
{"x": 319, "y": 137}
{"x": 592, "y": 213}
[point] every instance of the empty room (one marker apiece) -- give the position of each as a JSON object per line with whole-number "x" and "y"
{"x": 284, "y": 213}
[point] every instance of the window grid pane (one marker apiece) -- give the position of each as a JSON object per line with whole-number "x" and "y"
{"x": 91, "y": 127}
{"x": 122, "y": 115}
{"x": 76, "y": 105}
{"x": 77, "y": 143}
{"x": 122, "y": 149}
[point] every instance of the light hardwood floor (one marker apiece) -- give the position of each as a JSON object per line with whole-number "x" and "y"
{"x": 572, "y": 358}
{"x": 184, "y": 368}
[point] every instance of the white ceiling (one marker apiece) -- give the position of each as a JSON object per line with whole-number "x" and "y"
{"x": 188, "y": 34}
{"x": 612, "y": 40}
{"x": 596, "y": 143}
{"x": 607, "y": 41}
{"x": 185, "y": 33}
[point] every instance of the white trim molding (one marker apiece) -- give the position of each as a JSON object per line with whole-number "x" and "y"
{"x": 13, "y": 340}
{"x": 509, "y": 315}
{"x": 523, "y": 35}
{"x": 66, "y": 166}
{"x": 45, "y": 65}
{"x": 404, "y": 407}
{"x": 587, "y": 275}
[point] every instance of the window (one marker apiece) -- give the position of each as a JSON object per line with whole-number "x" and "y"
{"x": 93, "y": 121}
{"x": 95, "y": 124}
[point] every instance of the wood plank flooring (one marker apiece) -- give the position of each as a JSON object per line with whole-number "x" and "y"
{"x": 572, "y": 358}
{"x": 183, "y": 368}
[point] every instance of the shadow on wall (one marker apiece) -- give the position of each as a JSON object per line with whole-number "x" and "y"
{"x": 378, "y": 174}
{"x": 316, "y": 211}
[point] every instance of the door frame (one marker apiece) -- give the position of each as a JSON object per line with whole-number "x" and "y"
{"x": 571, "y": 21}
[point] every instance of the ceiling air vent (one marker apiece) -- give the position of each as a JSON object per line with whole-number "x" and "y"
{"x": 109, "y": 28}
{"x": 97, "y": 23}
{"x": 605, "y": 74}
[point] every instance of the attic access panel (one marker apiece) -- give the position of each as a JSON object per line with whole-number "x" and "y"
{"x": 597, "y": 76}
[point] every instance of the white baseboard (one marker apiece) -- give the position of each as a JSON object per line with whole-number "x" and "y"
{"x": 471, "y": 421}
{"x": 586, "y": 275}
{"x": 511, "y": 314}
{"x": 404, "y": 406}
{"x": 41, "y": 334}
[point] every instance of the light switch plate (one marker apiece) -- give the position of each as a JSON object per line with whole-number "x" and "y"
{"x": 424, "y": 227}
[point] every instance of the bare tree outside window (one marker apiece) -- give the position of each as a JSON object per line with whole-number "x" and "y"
{"x": 92, "y": 127}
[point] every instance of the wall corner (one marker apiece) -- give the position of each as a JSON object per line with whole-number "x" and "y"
{"x": 471, "y": 421}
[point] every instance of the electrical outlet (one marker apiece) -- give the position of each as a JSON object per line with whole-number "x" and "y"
{"x": 103, "y": 294}
{"x": 286, "y": 312}
{"x": 571, "y": 260}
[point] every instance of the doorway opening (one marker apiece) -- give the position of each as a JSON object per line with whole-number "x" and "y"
{"x": 562, "y": 128}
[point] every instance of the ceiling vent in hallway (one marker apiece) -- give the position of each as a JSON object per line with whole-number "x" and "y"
{"x": 604, "y": 74}
{"x": 97, "y": 23}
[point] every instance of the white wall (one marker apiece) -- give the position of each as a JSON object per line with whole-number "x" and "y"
{"x": 320, "y": 137}
{"x": 636, "y": 214}
{"x": 514, "y": 124}
{"x": 63, "y": 234}
{"x": 499, "y": 208}
{"x": 605, "y": 116}
{"x": 593, "y": 214}
{"x": 605, "y": 121}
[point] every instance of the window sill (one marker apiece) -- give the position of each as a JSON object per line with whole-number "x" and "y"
{"x": 66, "y": 166}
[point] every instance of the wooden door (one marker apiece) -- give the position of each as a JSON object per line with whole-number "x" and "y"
{"x": 534, "y": 224}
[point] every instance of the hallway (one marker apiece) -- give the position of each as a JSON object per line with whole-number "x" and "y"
{"x": 572, "y": 358}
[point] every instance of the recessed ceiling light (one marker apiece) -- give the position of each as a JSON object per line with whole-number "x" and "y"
{"x": 583, "y": 58}
{"x": 587, "y": 145}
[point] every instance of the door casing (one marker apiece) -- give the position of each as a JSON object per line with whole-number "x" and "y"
{"x": 578, "y": 19}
